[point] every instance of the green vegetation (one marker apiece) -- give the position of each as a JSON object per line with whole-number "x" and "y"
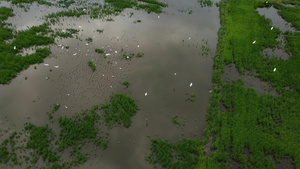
{"x": 11, "y": 62}
{"x": 92, "y": 65}
{"x": 191, "y": 98}
{"x": 41, "y": 2}
{"x": 99, "y": 51}
{"x": 265, "y": 125}
{"x": 41, "y": 147}
{"x": 119, "y": 110}
{"x": 290, "y": 14}
{"x": 139, "y": 55}
{"x": 205, "y": 3}
{"x": 89, "y": 40}
{"x": 65, "y": 3}
{"x": 184, "y": 154}
{"x": 175, "y": 121}
{"x": 126, "y": 83}
{"x": 100, "y": 30}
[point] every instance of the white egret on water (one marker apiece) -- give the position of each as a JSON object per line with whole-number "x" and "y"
{"x": 272, "y": 28}
{"x": 175, "y": 74}
{"x": 74, "y": 54}
{"x": 116, "y": 51}
{"x": 254, "y": 42}
{"x": 66, "y": 107}
{"x": 56, "y": 67}
{"x": 46, "y": 64}
{"x": 138, "y": 46}
{"x": 158, "y": 16}
{"x": 191, "y": 84}
{"x": 146, "y": 94}
{"x": 107, "y": 54}
{"x": 274, "y": 69}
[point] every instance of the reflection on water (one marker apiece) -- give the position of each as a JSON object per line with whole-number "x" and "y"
{"x": 171, "y": 44}
{"x": 277, "y": 20}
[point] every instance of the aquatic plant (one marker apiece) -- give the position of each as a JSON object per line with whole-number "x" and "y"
{"x": 205, "y": 3}
{"x": 99, "y": 51}
{"x": 92, "y": 65}
{"x": 184, "y": 154}
{"x": 126, "y": 83}
{"x": 119, "y": 110}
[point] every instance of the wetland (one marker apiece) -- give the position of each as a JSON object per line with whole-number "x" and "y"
{"x": 122, "y": 84}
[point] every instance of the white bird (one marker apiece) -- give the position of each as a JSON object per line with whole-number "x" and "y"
{"x": 56, "y": 67}
{"x": 175, "y": 74}
{"x": 254, "y": 42}
{"x": 15, "y": 47}
{"x": 267, "y": 2}
{"x": 88, "y": 51}
{"x": 116, "y": 51}
{"x": 84, "y": 9}
{"x": 191, "y": 84}
{"x": 62, "y": 47}
{"x": 66, "y": 107}
{"x": 120, "y": 68}
{"x": 79, "y": 26}
{"x": 46, "y": 64}
{"x": 47, "y": 77}
{"x": 110, "y": 86}
{"x": 107, "y": 54}
{"x": 127, "y": 57}
{"x": 190, "y": 38}
{"x": 112, "y": 76}
{"x": 86, "y": 44}
{"x": 138, "y": 46}
{"x": 272, "y": 28}
{"x": 146, "y": 94}
{"x": 74, "y": 54}
{"x": 59, "y": 45}
{"x": 102, "y": 74}
{"x": 274, "y": 69}
{"x": 68, "y": 94}
{"x": 126, "y": 46}
{"x": 158, "y": 16}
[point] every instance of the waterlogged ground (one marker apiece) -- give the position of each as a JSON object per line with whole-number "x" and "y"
{"x": 173, "y": 59}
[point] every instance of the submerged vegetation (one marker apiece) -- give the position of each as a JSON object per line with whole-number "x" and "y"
{"x": 205, "y": 3}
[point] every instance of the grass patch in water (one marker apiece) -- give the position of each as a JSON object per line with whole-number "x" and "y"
{"x": 290, "y": 14}
{"x": 99, "y": 51}
{"x": 92, "y": 65}
{"x": 126, "y": 84}
{"x": 119, "y": 110}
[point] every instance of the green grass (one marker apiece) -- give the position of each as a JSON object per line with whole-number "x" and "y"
{"x": 290, "y": 14}
{"x": 205, "y": 3}
{"x": 99, "y": 51}
{"x": 92, "y": 65}
{"x": 119, "y": 110}
{"x": 126, "y": 83}
{"x": 184, "y": 154}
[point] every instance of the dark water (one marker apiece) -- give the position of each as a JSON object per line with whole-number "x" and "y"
{"x": 171, "y": 44}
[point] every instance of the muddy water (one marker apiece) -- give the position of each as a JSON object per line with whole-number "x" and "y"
{"x": 172, "y": 60}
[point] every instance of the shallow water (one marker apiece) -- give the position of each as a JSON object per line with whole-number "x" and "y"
{"x": 171, "y": 44}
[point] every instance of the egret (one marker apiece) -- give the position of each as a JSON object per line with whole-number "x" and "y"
{"x": 74, "y": 54}
{"x": 127, "y": 57}
{"x": 146, "y": 94}
{"x": 87, "y": 44}
{"x": 56, "y": 67}
{"x": 138, "y": 46}
{"x": 274, "y": 69}
{"x": 272, "y": 28}
{"x": 254, "y": 42}
{"x": 62, "y": 47}
{"x": 79, "y": 26}
{"x": 46, "y": 64}
{"x": 107, "y": 54}
{"x": 15, "y": 47}
{"x": 116, "y": 51}
{"x": 190, "y": 38}
{"x": 158, "y": 16}
{"x": 191, "y": 84}
{"x": 175, "y": 74}
{"x": 66, "y": 107}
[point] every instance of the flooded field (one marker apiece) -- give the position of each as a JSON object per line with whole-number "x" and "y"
{"x": 174, "y": 66}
